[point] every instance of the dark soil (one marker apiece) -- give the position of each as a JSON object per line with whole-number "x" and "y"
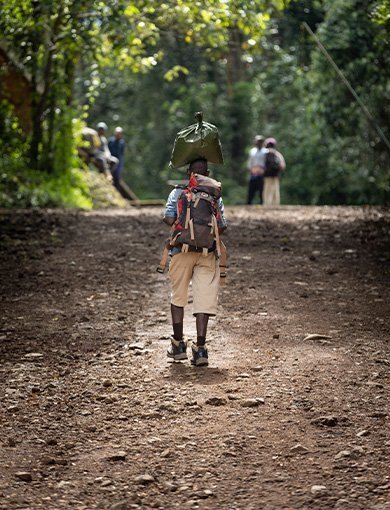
{"x": 94, "y": 416}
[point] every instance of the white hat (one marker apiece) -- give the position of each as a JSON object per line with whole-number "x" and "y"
{"x": 118, "y": 130}
{"x": 102, "y": 125}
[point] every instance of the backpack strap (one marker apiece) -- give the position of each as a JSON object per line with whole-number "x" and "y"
{"x": 223, "y": 261}
{"x": 164, "y": 258}
{"x": 188, "y": 214}
{"x": 192, "y": 232}
{"x": 217, "y": 239}
{"x": 173, "y": 240}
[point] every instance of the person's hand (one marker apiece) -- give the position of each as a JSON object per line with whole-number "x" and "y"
{"x": 257, "y": 170}
{"x": 169, "y": 220}
{"x": 222, "y": 275}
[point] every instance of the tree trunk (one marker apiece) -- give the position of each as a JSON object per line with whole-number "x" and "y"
{"x": 70, "y": 70}
{"x": 235, "y": 68}
{"x": 49, "y": 146}
{"x": 41, "y": 102}
{"x": 36, "y": 137}
{"x": 235, "y": 74}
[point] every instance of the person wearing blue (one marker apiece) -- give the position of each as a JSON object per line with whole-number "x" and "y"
{"x": 116, "y": 145}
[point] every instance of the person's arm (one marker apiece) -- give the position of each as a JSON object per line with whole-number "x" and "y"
{"x": 282, "y": 161}
{"x": 261, "y": 158}
{"x": 105, "y": 148}
{"x": 221, "y": 206}
{"x": 250, "y": 160}
{"x": 170, "y": 212}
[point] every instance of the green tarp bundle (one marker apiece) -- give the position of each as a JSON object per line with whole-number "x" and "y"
{"x": 197, "y": 141}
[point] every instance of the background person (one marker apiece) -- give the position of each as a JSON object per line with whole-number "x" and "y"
{"x": 116, "y": 146}
{"x": 274, "y": 166}
{"x": 256, "y": 169}
{"x": 89, "y": 147}
{"x": 106, "y": 161}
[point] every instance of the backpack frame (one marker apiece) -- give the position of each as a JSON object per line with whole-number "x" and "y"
{"x": 199, "y": 219}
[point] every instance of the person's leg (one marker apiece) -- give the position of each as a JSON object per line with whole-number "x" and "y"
{"x": 205, "y": 284}
{"x": 180, "y": 273}
{"x": 99, "y": 161}
{"x": 202, "y": 320}
{"x": 178, "y": 348}
{"x": 116, "y": 175}
{"x": 266, "y": 191}
{"x": 251, "y": 190}
{"x": 177, "y": 313}
{"x": 113, "y": 162}
{"x": 261, "y": 188}
{"x": 102, "y": 165}
{"x": 277, "y": 191}
{"x": 274, "y": 191}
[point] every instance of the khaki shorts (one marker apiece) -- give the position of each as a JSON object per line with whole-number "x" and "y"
{"x": 204, "y": 273}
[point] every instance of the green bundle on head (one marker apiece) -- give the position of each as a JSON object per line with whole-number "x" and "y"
{"x": 198, "y": 141}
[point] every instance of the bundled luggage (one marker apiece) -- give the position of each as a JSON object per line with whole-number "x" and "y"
{"x": 198, "y": 141}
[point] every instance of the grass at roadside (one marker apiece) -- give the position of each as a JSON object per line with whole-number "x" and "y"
{"x": 75, "y": 188}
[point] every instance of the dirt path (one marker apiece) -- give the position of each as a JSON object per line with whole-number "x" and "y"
{"x": 93, "y": 416}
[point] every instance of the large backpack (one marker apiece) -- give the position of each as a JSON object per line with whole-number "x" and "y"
{"x": 199, "y": 220}
{"x": 272, "y": 164}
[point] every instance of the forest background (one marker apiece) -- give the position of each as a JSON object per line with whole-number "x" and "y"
{"x": 147, "y": 66}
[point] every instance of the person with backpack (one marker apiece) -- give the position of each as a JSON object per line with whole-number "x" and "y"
{"x": 256, "y": 168}
{"x": 196, "y": 217}
{"x": 274, "y": 165}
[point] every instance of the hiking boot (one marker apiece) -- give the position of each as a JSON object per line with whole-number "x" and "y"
{"x": 200, "y": 355}
{"x": 177, "y": 350}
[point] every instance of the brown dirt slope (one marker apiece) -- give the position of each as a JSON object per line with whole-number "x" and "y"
{"x": 93, "y": 416}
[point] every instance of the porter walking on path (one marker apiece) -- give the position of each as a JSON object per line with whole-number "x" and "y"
{"x": 195, "y": 252}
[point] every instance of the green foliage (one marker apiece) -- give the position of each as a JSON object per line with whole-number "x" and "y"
{"x": 251, "y": 68}
{"x": 381, "y": 12}
{"x": 333, "y": 153}
{"x": 12, "y": 140}
{"x": 50, "y": 40}
{"x": 286, "y": 89}
{"x": 21, "y": 186}
{"x": 24, "y": 188}
{"x": 47, "y": 40}
{"x": 355, "y": 148}
{"x": 103, "y": 193}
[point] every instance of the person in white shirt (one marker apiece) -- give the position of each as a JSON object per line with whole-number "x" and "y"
{"x": 106, "y": 160}
{"x": 256, "y": 161}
